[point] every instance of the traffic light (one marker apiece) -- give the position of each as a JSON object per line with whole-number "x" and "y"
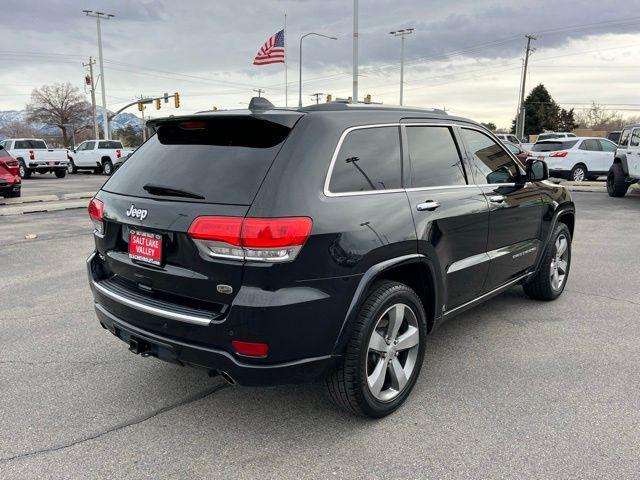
{"x": 140, "y": 106}
{"x": 367, "y": 99}
{"x": 176, "y": 99}
{"x": 157, "y": 104}
{"x": 329, "y": 98}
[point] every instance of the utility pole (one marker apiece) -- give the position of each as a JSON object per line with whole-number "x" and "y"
{"x": 317, "y": 95}
{"x": 402, "y": 33}
{"x": 520, "y": 123}
{"x": 259, "y": 90}
{"x": 354, "y": 95}
{"x": 105, "y": 115}
{"x": 93, "y": 96}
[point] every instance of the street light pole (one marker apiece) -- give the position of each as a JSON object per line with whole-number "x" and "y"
{"x": 105, "y": 115}
{"x": 300, "y": 66}
{"x": 402, "y": 33}
{"x": 354, "y": 95}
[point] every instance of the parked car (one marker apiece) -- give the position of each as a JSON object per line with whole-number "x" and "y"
{"x": 518, "y": 152}
{"x": 325, "y": 242}
{"x": 625, "y": 170}
{"x": 97, "y": 155}
{"x": 614, "y": 136}
{"x": 552, "y": 135}
{"x": 508, "y": 137}
{"x": 33, "y": 156}
{"x": 10, "y": 182}
{"x": 577, "y": 158}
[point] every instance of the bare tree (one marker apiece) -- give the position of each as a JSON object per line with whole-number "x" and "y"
{"x": 16, "y": 129}
{"x": 60, "y": 105}
{"x": 597, "y": 117}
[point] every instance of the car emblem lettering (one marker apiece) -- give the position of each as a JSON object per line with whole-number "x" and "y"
{"x": 134, "y": 212}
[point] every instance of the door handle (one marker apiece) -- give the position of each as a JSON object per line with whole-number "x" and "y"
{"x": 429, "y": 205}
{"x": 629, "y": 153}
{"x": 497, "y": 198}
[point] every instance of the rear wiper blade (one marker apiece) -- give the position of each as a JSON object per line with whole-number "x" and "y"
{"x": 162, "y": 190}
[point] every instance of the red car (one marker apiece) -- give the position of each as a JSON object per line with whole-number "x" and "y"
{"x": 10, "y": 183}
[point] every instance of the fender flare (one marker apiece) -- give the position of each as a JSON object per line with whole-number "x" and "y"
{"x": 567, "y": 208}
{"x": 369, "y": 277}
{"x": 623, "y": 161}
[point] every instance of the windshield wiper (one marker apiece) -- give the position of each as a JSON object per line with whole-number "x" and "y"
{"x": 170, "y": 192}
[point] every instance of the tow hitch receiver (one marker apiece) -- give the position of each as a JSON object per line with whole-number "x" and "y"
{"x": 140, "y": 347}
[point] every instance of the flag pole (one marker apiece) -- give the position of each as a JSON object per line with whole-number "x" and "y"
{"x": 286, "y": 84}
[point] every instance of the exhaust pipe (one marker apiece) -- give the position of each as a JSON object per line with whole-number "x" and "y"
{"x": 227, "y": 378}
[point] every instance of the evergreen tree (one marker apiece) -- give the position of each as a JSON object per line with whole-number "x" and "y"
{"x": 543, "y": 113}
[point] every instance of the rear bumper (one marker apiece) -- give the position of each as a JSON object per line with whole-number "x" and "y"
{"x": 45, "y": 167}
{"x": 213, "y": 360}
{"x": 6, "y": 188}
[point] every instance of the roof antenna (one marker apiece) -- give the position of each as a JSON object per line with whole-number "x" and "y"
{"x": 260, "y": 103}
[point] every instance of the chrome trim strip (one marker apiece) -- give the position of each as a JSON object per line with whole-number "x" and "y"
{"x": 180, "y": 317}
{"x": 492, "y": 292}
{"x": 469, "y": 262}
{"x": 518, "y": 249}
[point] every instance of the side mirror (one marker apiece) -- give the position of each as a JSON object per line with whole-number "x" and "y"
{"x": 537, "y": 170}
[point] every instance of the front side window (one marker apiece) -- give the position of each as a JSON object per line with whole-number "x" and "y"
{"x": 492, "y": 163}
{"x": 635, "y": 138}
{"x": 88, "y": 146}
{"x": 624, "y": 137}
{"x": 368, "y": 159}
{"x": 435, "y": 160}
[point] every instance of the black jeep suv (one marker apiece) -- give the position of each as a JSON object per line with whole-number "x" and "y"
{"x": 290, "y": 245}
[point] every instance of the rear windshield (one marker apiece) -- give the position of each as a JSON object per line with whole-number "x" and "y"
{"x": 109, "y": 145}
{"x": 222, "y": 161}
{"x": 30, "y": 144}
{"x": 552, "y": 146}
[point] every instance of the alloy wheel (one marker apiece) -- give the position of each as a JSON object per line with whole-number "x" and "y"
{"x": 578, "y": 175}
{"x": 559, "y": 263}
{"x": 392, "y": 352}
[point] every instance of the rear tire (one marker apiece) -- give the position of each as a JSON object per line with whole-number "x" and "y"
{"x": 617, "y": 185}
{"x": 381, "y": 362}
{"x": 555, "y": 266}
{"x": 23, "y": 170}
{"x": 61, "y": 173}
{"x": 107, "y": 168}
{"x": 579, "y": 173}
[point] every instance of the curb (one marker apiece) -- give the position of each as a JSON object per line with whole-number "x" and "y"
{"x": 45, "y": 198}
{"x": 43, "y": 207}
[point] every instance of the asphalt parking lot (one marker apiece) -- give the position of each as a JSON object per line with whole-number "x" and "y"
{"x": 512, "y": 389}
{"x": 47, "y": 184}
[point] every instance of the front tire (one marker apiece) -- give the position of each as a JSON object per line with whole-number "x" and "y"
{"x": 71, "y": 167}
{"x": 579, "y": 173}
{"x": 553, "y": 273}
{"x": 617, "y": 185}
{"x": 383, "y": 358}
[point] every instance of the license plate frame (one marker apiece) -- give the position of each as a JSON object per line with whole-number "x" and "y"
{"x": 146, "y": 247}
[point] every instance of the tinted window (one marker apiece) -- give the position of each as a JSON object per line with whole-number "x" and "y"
{"x": 435, "y": 160}
{"x": 30, "y": 144}
{"x": 590, "y": 145}
{"x": 570, "y": 135}
{"x": 624, "y": 137}
{"x": 224, "y": 161}
{"x": 552, "y": 146}
{"x": 547, "y": 136}
{"x": 87, "y": 146}
{"x": 635, "y": 138}
{"x": 492, "y": 163}
{"x": 369, "y": 159}
{"x": 608, "y": 146}
{"x": 614, "y": 136}
{"x": 109, "y": 145}
{"x": 513, "y": 139}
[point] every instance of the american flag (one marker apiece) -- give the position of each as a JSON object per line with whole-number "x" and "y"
{"x": 272, "y": 51}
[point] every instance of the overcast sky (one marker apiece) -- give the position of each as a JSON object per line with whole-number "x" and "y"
{"x": 464, "y": 55}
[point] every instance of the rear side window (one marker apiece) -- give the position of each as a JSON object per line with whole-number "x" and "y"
{"x": 368, "y": 159}
{"x": 222, "y": 160}
{"x": 608, "y": 146}
{"x": 435, "y": 160}
{"x": 110, "y": 145}
{"x": 591, "y": 145}
{"x": 492, "y": 163}
{"x": 552, "y": 146}
{"x": 30, "y": 144}
{"x": 624, "y": 137}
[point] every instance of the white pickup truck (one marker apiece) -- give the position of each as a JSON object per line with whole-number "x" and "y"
{"x": 33, "y": 155}
{"x": 97, "y": 155}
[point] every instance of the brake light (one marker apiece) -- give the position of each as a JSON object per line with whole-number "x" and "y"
{"x": 32, "y": 155}
{"x": 559, "y": 154}
{"x": 252, "y": 239}
{"x": 96, "y": 214}
{"x": 250, "y": 349}
{"x": 118, "y": 154}
{"x": 193, "y": 125}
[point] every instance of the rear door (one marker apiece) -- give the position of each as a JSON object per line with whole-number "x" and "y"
{"x": 591, "y": 155}
{"x": 189, "y": 169}
{"x": 515, "y": 208}
{"x": 451, "y": 216}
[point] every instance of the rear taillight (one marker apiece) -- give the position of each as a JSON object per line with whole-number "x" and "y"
{"x": 32, "y": 155}
{"x": 96, "y": 214}
{"x": 559, "y": 154}
{"x": 118, "y": 154}
{"x": 251, "y": 239}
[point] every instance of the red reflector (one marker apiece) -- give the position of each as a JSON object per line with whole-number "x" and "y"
{"x": 96, "y": 210}
{"x": 193, "y": 125}
{"x": 275, "y": 232}
{"x": 559, "y": 154}
{"x": 251, "y": 349}
{"x": 118, "y": 154}
{"x": 32, "y": 155}
{"x": 221, "y": 229}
